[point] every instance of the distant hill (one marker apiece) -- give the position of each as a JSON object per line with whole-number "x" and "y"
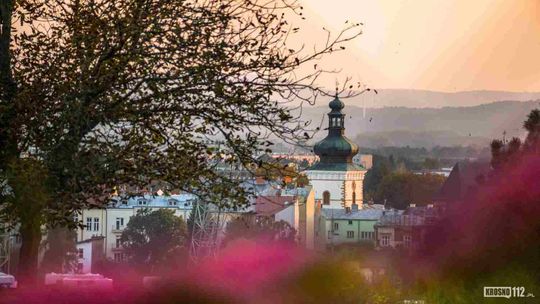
{"x": 432, "y": 99}
{"x": 428, "y": 127}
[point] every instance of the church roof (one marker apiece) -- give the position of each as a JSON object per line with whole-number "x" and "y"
{"x": 336, "y": 105}
{"x": 335, "y": 151}
{"x": 464, "y": 177}
{"x": 320, "y": 166}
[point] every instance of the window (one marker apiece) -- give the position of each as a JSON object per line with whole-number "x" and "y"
{"x": 326, "y": 198}
{"x": 173, "y": 202}
{"x": 118, "y": 242}
{"x": 407, "y": 241}
{"x": 142, "y": 202}
{"x": 330, "y": 234}
{"x": 354, "y": 196}
{"x": 118, "y": 257}
{"x": 350, "y": 222}
{"x": 336, "y": 226}
{"x": 96, "y": 224}
{"x": 350, "y": 234}
{"x": 367, "y": 235}
{"x": 119, "y": 223}
{"x": 79, "y": 267}
{"x": 80, "y": 253}
{"x": 88, "y": 224}
{"x": 385, "y": 240}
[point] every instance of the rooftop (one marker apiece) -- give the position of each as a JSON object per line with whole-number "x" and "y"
{"x": 178, "y": 200}
{"x": 362, "y": 214}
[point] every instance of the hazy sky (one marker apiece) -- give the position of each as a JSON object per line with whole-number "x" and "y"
{"x": 447, "y": 45}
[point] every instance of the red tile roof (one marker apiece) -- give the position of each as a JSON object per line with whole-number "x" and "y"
{"x": 268, "y": 205}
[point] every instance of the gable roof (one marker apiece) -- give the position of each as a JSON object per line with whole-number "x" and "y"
{"x": 268, "y": 205}
{"x": 463, "y": 178}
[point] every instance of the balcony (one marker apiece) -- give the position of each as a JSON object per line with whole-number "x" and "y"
{"x": 117, "y": 229}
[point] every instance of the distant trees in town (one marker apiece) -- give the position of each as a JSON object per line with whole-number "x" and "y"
{"x": 155, "y": 239}
{"x": 287, "y": 174}
{"x": 505, "y": 154}
{"x": 94, "y": 94}
{"x": 382, "y": 166}
{"x": 264, "y": 229}
{"x": 399, "y": 189}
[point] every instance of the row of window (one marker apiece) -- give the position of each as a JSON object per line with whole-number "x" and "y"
{"x": 365, "y": 235}
{"x": 326, "y": 196}
{"x": 385, "y": 240}
{"x": 92, "y": 224}
{"x": 120, "y": 257}
{"x": 336, "y": 122}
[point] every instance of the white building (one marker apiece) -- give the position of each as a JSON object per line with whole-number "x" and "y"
{"x": 111, "y": 221}
{"x": 336, "y": 179}
{"x": 89, "y": 252}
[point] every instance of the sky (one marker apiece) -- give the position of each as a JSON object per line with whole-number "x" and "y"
{"x": 440, "y": 45}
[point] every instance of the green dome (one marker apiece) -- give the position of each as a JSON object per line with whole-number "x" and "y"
{"x": 335, "y": 149}
{"x": 336, "y": 105}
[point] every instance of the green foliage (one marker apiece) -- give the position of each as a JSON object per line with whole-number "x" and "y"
{"x": 262, "y": 229}
{"x": 506, "y": 154}
{"x": 26, "y": 193}
{"x": 128, "y": 92}
{"x": 122, "y": 92}
{"x": 155, "y": 238}
{"x": 381, "y": 167}
{"x": 400, "y": 189}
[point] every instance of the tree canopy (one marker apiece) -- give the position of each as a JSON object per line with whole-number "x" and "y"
{"x": 155, "y": 238}
{"x": 262, "y": 229}
{"x": 399, "y": 189}
{"x": 122, "y": 92}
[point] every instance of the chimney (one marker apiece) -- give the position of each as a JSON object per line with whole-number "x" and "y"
{"x": 348, "y": 210}
{"x": 354, "y": 207}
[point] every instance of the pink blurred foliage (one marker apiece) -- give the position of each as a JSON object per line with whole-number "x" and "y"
{"x": 497, "y": 225}
{"x": 244, "y": 271}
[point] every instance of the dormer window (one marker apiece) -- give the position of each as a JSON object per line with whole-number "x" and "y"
{"x": 173, "y": 202}
{"x": 142, "y": 202}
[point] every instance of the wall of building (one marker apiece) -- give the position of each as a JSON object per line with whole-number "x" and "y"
{"x": 289, "y": 215}
{"x": 339, "y": 235}
{"x": 107, "y": 224}
{"x": 86, "y": 259}
{"x": 308, "y": 220}
{"x": 338, "y": 183}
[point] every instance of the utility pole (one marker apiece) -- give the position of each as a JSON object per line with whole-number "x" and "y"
{"x": 5, "y": 250}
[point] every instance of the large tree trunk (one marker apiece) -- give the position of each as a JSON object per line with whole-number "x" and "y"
{"x": 28, "y": 258}
{"x": 7, "y": 86}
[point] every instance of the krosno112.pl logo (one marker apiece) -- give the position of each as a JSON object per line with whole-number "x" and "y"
{"x": 506, "y": 292}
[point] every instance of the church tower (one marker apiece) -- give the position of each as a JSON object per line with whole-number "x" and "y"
{"x": 337, "y": 181}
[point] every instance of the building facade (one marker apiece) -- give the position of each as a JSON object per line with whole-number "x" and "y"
{"x": 336, "y": 179}
{"x": 110, "y": 222}
{"x": 349, "y": 226}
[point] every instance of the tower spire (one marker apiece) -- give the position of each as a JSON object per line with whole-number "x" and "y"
{"x": 336, "y": 148}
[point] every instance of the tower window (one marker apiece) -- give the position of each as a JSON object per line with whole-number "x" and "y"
{"x": 326, "y": 197}
{"x": 354, "y": 197}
